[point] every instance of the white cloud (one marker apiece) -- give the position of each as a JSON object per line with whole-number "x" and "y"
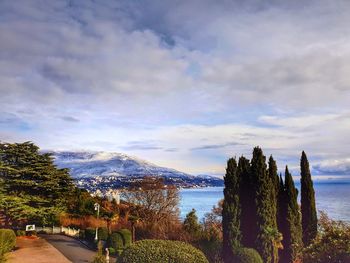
{"x": 218, "y": 77}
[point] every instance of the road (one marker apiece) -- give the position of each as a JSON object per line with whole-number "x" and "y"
{"x": 70, "y": 248}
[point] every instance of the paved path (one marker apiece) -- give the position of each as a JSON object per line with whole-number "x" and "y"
{"x": 35, "y": 250}
{"x": 70, "y": 248}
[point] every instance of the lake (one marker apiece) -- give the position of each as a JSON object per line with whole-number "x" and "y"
{"x": 331, "y": 197}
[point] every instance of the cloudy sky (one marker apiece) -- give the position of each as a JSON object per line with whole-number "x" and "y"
{"x": 182, "y": 83}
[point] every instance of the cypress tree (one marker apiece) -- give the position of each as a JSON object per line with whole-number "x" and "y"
{"x": 281, "y": 216}
{"x": 292, "y": 237}
{"x": 248, "y": 220}
{"x": 274, "y": 179}
{"x": 231, "y": 211}
{"x": 266, "y": 219}
{"x": 308, "y": 205}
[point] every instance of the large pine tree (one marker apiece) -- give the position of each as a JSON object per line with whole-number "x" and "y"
{"x": 34, "y": 189}
{"x": 308, "y": 204}
{"x": 292, "y": 236}
{"x": 266, "y": 218}
{"x": 231, "y": 211}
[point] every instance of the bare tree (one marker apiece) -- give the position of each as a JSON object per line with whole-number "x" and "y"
{"x": 153, "y": 200}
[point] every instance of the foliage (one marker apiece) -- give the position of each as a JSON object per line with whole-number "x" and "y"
{"x": 308, "y": 204}
{"x": 90, "y": 234}
{"x": 155, "y": 206}
{"x": 99, "y": 258}
{"x": 247, "y": 255}
{"x": 191, "y": 225}
{"x": 272, "y": 230}
{"x": 266, "y": 216}
{"x": 126, "y": 236}
{"x": 34, "y": 189}
{"x": 7, "y": 242}
{"x": 20, "y": 233}
{"x": 291, "y": 227}
{"x": 249, "y": 227}
{"x": 111, "y": 250}
{"x": 211, "y": 249}
{"x": 116, "y": 241}
{"x": 160, "y": 251}
{"x": 332, "y": 244}
{"x": 102, "y": 233}
{"x": 120, "y": 240}
{"x": 231, "y": 211}
{"x": 154, "y": 202}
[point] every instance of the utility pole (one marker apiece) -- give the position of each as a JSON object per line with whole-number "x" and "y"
{"x": 97, "y": 208}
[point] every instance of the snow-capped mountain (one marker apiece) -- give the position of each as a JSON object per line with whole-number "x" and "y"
{"x": 103, "y": 169}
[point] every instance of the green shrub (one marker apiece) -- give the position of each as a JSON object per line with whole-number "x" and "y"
{"x": 20, "y": 233}
{"x": 111, "y": 250}
{"x": 7, "y": 241}
{"x": 161, "y": 251}
{"x": 212, "y": 249}
{"x": 116, "y": 241}
{"x": 103, "y": 233}
{"x": 126, "y": 235}
{"x": 82, "y": 234}
{"x": 247, "y": 255}
{"x": 99, "y": 258}
{"x": 90, "y": 234}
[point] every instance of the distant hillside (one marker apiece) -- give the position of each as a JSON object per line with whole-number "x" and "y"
{"x": 104, "y": 170}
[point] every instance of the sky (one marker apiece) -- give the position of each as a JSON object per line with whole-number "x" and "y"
{"x": 183, "y": 83}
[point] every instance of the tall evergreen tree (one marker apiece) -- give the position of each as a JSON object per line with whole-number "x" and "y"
{"x": 248, "y": 220}
{"x": 266, "y": 218}
{"x": 308, "y": 204}
{"x": 273, "y": 175}
{"x": 281, "y": 216}
{"x": 292, "y": 240}
{"x": 231, "y": 212}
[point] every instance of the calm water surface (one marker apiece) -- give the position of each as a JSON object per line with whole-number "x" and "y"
{"x": 333, "y": 198}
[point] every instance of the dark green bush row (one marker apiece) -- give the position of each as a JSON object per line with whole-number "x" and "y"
{"x": 20, "y": 233}
{"x": 162, "y": 251}
{"x": 7, "y": 241}
{"x": 102, "y": 233}
{"x": 90, "y": 234}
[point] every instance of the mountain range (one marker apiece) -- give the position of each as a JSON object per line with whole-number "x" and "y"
{"x": 110, "y": 170}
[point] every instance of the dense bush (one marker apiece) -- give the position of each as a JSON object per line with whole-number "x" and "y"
{"x": 90, "y": 234}
{"x": 111, "y": 250}
{"x": 332, "y": 245}
{"x": 116, "y": 242}
{"x": 20, "y": 233}
{"x": 247, "y": 255}
{"x": 212, "y": 249}
{"x": 127, "y": 237}
{"x": 7, "y": 241}
{"x": 120, "y": 240}
{"x": 160, "y": 251}
{"x": 103, "y": 233}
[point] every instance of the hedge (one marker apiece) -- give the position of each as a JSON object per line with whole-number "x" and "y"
{"x": 161, "y": 251}
{"x": 102, "y": 233}
{"x": 90, "y": 234}
{"x": 247, "y": 255}
{"x": 7, "y": 241}
{"x": 127, "y": 237}
{"x": 120, "y": 240}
